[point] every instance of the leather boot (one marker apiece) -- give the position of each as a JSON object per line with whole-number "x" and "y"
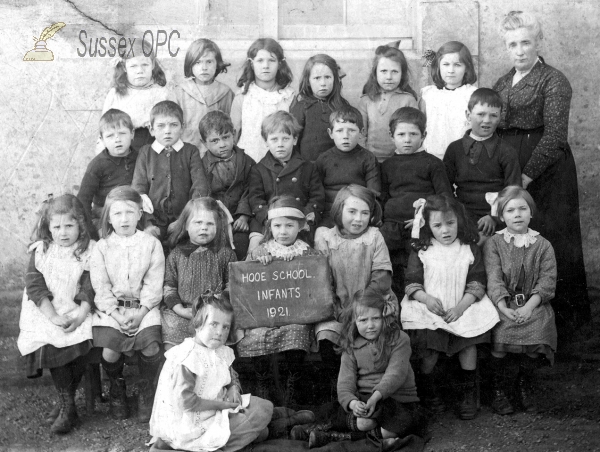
{"x": 118, "y": 408}
{"x": 524, "y": 384}
{"x": 279, "y": 427}
{"x": 431, "y": 398}
{"x": 62, "y": 424}
{"x": 302, "y": 432}
{"x": 467, "y": 408}
{"x": 148, "y": 366}
{"x": 500, "y": 403}
{"x": 320, "y": 439}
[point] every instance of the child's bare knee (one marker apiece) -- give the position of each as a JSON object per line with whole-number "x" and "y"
{"x": 364, "y": 424}
{"x": 151, "y": 349}
{"x": 111, "y": 356}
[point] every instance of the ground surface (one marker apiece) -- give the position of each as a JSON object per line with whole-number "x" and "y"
{"x": 569, "y": 397}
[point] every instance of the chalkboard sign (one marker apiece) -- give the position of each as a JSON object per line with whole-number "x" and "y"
{"x": 281, "y": 293}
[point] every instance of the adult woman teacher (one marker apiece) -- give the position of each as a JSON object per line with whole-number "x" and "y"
{"x": 535, "y": 120}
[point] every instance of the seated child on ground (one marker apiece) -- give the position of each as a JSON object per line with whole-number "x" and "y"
{"x": 168, "y": 172}
{"x": 198, "y": 403}
{"x": 227, "y": 169}
{"x": 376, "y": 384}
{"x": 480, "y": 162}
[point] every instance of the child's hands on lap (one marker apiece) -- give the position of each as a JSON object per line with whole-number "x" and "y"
{"x": 435, "y": 305}
{"x": 186, "y": 313}
{"x": 77, "y": 320}
{"x": 62, "y": 321}
{"x": 453, "y": 314}
{"x": 486, "y": 225}
{"x": 136, "y": 319}
{"x": 241, "y": 224}
{"x": 523, "y": 314}
{"x": 233, "y": 395}
{"x": 510, "y": 313}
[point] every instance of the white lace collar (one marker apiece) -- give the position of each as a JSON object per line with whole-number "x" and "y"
{"x": 281, "y": 251}
{"x": 521, "y": 240}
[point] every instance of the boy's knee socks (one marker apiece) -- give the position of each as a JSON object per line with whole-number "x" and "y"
{"x": 62, "y": 377}
{"x": 149, "y": 366}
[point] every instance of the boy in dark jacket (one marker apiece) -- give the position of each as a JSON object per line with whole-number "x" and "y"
{"x": 283, "y": 172}
{"x": 227, "y": 170}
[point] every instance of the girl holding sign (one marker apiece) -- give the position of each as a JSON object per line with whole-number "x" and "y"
{"x": 285, "y": 221}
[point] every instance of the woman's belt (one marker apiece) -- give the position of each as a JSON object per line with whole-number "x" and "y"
{"x": 516, "y": 131}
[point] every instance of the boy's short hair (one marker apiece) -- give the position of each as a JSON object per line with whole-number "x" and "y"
{"x": 215, "y": 121}
{"x": 485, "y": 96}
{"x": 166, "y": 108}
{"x": 346, "y": 114}
{"x": 409, "y": 115}
{"x": 114, "y": 118}
{"x": 280, "y": 121}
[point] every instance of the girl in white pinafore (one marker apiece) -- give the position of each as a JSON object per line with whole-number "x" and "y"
{"x": 198, "y": 405}
{"x": 55, "y": 322}
{"x": 445, "y": 309}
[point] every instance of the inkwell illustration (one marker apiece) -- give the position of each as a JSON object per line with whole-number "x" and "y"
{"x": 40, "y": 52}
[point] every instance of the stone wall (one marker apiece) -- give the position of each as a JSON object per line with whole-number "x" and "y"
{"x": 50, "y": 110}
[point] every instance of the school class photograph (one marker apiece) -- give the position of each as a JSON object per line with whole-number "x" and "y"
{"x": 282, "y": 225}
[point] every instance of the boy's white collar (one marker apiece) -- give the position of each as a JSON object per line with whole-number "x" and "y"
{"x": 158, "y": 148}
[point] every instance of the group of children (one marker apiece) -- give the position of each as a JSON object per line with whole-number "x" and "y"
{"x": 192, "y": 181}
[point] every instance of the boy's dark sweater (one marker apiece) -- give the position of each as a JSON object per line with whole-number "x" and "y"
{"x": 498, "y": 167}
{"x": 338, "y": 169}
{"x": 408, "y": 177}
{"x": 104, "y": 173}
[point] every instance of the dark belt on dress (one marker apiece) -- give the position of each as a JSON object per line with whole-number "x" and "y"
{"x": 129, "y": 304}
{"x": 519, "y": 299}
{"x": 516, "y": 131}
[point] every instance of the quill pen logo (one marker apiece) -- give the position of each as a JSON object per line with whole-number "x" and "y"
{"x": 40, "y": 52}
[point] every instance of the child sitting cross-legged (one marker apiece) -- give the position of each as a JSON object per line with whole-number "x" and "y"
{"x": 376, "y": 384}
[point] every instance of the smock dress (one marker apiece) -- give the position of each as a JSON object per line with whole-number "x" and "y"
{"x": 62, "y": 272}
{"x": 190, "y": 271}
{"x": 447, "y": 272}
{"x": 522, "y": 263}
{"x": 193, "y": 371}
{"x": 355, "y": 263}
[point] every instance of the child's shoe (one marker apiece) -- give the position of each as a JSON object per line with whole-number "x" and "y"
{"x": 431, "y": 400}
{"x": 320, "y": 439}
{"x": 53, "y": 414}
{"x": 67, "y": 413}
{"x": 500, "y": 403}
{"x": 524, "y": 393}
{"x": 145, "y": 399}
{"x": 302, "y": 432}
{"x": 467, "y": 408}
{"x": 118, "y": 408}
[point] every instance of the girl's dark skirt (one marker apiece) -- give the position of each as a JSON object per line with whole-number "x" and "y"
{"x": 424, "y": 342}
{"x": 49, "y": 357}
{"x": 113, "y": 339}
